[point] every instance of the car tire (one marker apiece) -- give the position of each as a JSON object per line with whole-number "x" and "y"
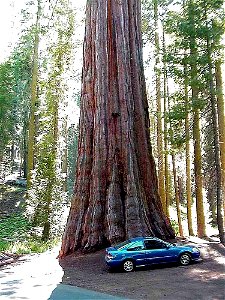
{"x": 185, "y": 259}
{"x": 128, "y": 265}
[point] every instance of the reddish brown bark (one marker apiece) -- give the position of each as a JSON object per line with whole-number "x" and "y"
{"x": 115, "y": 194}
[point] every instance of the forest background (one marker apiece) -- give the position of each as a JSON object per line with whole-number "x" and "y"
{"x": 40, "y": 78}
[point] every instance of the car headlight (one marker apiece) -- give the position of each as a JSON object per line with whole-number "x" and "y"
{"x": 196, "y": 250}
{"x": 109, "y": 256}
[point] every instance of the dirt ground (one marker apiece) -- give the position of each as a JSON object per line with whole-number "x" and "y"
{"x": 202, "y": 280}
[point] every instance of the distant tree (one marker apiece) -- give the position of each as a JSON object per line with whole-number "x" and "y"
{"x": 177, "y": 196}
{"x": 32, "y": 129}
{"x": 158, "y": 89}
{"x": 212, "y": 41}
{"x": 221, "y": 125}
{"x": 48, "y": 192}
{"x": 21, "y": 60}
{"x": 7, "y": 107}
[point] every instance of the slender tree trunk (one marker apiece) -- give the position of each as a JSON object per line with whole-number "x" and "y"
{"x": 198, "y": 175}
{"x": 196, "y": 133}
{"x": 47, "y": 205}
{"x": 177, "y": 196}
{"x": 177, "y": 199}
{"x": 215, "y": 142}
{"x": 56, "y": 97}
{"x": 166, "y": 162}
{"x": 1, "y": 167}
{"x": 161, "y": 173}
{"x": 115, "y": 194}
{"x": 221, "y": 125}
{"x": 187, "y": 150}
{"x": 33, "y": 103}
{"x": 25, "y": 148}
{"x": 12, "y": 156}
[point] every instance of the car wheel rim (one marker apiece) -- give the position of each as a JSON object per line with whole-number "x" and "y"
{"x": 185, "y": 259}
{"x": 128, "y": 266}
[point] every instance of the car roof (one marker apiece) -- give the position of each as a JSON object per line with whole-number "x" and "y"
{"x": 142, "y": 238}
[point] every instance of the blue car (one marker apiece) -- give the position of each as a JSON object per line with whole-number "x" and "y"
{"x": 144, "y": 251}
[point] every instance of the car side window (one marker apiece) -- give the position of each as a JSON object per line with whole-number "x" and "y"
{"x": 138, "y": 246}
{"x": 150, "y": 245}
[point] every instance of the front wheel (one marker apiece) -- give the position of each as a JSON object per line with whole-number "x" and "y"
{"x": 128, "y": 266}
{"x": 185, "y": 259}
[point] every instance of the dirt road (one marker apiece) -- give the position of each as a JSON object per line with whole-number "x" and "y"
{"x": 39, "y": 277}
{"x": 204, "y": 280}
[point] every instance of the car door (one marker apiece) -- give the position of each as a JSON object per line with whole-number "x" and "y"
{"x": 137, "y": 252}
{"x": 156, "y": 252}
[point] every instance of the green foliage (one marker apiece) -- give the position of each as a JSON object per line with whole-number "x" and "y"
{"x": 16, "y": 236}
{"x": 14, "y": 226}
{"x": 175, "y": 226}
{"x": 147, "y": 21}
{"x": 32, "y": 245}
{"x": 7, "y": 106}
{"x": 15, "y": 76}
{"x": 13, "y": 229}
{"x": 177, "y": 113}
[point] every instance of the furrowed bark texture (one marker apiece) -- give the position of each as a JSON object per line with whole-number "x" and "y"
{"x": 115, "y": 194}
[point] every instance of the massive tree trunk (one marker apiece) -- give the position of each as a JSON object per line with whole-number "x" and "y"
{"x": 115, "y": 194}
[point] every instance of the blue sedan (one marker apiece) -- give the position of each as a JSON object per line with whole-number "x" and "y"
{"x": 144, "y": 251}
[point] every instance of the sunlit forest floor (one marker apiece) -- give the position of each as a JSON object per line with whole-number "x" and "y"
{"x": 16, "y": 231}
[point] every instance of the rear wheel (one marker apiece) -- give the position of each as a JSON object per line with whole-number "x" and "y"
{"x": 128, "y": 265}
{"x": 185, "y": 259}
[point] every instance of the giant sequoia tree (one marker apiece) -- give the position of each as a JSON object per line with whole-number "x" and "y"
{"x": 115, "y": 194}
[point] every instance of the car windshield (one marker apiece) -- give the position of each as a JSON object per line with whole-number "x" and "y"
{"x": 122, "y": 245}
{"x": 170, "y": 244}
